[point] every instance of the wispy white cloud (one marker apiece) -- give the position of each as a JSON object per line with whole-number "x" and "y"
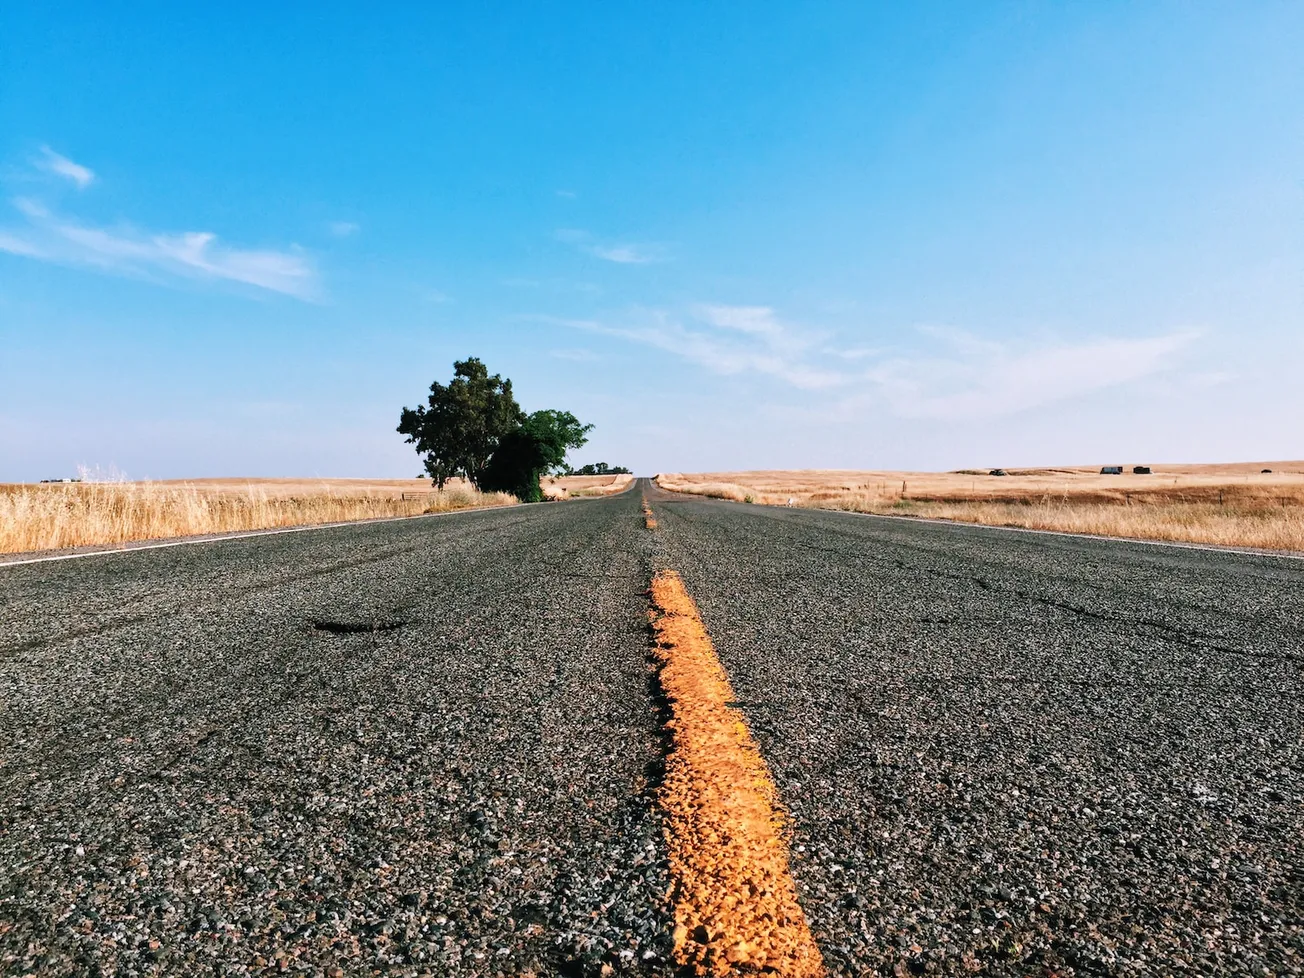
{"x": 124, "y": 250}
{"x": 128, "y": 251}
{"x": 629, "y": 254}
{"x": 52, "y": 162}
{"x": 973, "y": 378}
{"x": 728, "y": 340}
{"x": 343, "y": 229}
{"x": 622, "y": 253}
{"x": 954, "y": 375}
{"x": 16, "y": 245}
{"x": 854, "y": 353}
{"x": 568, "y": 194}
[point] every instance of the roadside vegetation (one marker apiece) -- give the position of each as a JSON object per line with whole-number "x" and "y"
{"x": 576, "y": 486}
{"x": 1238, "y": 506}
{"x": 477, "y": 445}
{"x": 52, "y": 517}
{"x": 473, "y": 427}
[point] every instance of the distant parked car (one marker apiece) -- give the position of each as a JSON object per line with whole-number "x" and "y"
{"x": 1141, "y": 470}
{"x": 1266, "y": 472}
{"x": 998, "y": 472}
{"x": 1111, "y": 470}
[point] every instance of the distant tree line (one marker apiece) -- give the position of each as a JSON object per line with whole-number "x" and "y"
{"x": 473, "y": 427}
{"x": 597, "y": 468}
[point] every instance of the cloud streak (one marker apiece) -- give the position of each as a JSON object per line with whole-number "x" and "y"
{"x": 953, "y": 376}
{"x": 52, "y": 162}
{"x": 978, "y": 379}
{"x": 626, "y": 253}
{"x": 195, "y": 255}
{"x": 729, "y": 340}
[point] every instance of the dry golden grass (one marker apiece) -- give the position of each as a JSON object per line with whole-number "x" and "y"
{"x": 572, "y": 486}
{"x": 52, "y": 517}
{"x": 1232, "y": 505}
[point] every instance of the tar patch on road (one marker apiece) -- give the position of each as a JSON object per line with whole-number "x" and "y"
{"x": 356, "y": 627}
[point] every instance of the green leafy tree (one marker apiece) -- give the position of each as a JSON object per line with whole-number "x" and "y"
{"x": 539, "y": 445}
{"x": 516, "y": 466}
{"x": 556, "y": 432}
{"x": 460, "y": 427}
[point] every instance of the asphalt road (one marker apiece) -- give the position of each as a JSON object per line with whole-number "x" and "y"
{"x": 417, "y": 747}
{"x": 1017, "y": 754}
{"x": 433, "y": 746}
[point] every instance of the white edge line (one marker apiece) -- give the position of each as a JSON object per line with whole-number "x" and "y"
{"x": 129, "y": 547}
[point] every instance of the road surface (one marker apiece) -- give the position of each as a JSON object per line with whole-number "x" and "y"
{"x": 433, "y": 746}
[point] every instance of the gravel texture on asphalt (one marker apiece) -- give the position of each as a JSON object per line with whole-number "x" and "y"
{"x": 424, "y": 747}
{"x": 432, "y": 747}
{"x": 1016, "y": 754}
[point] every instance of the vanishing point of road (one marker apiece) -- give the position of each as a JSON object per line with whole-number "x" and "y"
{"x": 438, "y": 745}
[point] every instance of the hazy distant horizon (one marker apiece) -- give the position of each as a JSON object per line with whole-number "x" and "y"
{"x": 120, "y": 476}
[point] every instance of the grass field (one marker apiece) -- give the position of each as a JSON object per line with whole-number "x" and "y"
{"x": 61, "y": 515}
{"x": 571, "y": 486}
{"x": 1229, "y": 504}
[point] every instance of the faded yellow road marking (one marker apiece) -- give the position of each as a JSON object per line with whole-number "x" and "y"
{"x": 735, "y": 902}
{"x": 647, "y": 515}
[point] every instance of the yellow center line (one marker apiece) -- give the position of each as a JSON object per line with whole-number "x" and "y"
{"x": 735, "y": 902}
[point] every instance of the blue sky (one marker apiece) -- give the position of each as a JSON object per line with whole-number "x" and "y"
{"x": 236, "y": 240}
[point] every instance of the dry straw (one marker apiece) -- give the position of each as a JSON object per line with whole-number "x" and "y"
{"x": 76, "y": 515}
{"x": 1251, "y": 509}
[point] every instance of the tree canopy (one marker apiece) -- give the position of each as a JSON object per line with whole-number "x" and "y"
{"x": 473, "y": 427}
{"x": 459, "y": 428}
{"x": 556, "y": 433}
{"x": 539, "y": 445}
